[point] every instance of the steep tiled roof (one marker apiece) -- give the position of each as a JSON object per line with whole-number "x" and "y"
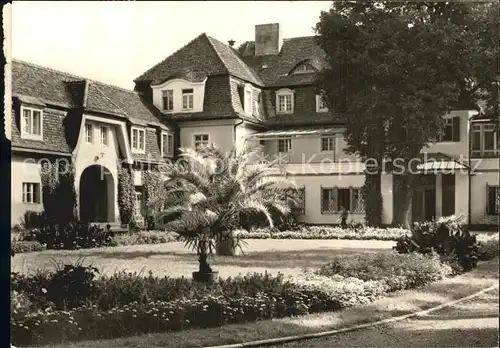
{"x": 273, "y": 68}
{"x": 58, "y": 88}
{"x": 35, "y": 84}
{"x": 267, "y": 72}
{"x": 193, "y": 62}
{"x": 218, "y": 58}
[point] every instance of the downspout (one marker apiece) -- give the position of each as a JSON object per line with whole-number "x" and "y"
{"x": 236, "y": 125}
{"x": 469, "y": 174}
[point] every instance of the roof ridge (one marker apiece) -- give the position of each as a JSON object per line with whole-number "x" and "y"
{"x": 170, "y": 55}
{"x": 209, "y": 38}
{"x": 108, "y": 98}
{"x": 81, "y": 78}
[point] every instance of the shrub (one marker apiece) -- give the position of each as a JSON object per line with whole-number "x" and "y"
{"x": 146, "y": 237}
{"x": 444, "y": 236}
{"x": 488, "y": 248}
{"x": 74, "y": 235}
{"x": 34, "y": 219}
{"x": 398, "y": 271}
{"x": 70, "y": 286}
{"x": 19, "y": 247}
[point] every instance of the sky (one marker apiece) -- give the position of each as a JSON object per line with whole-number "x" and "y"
{"x": 115, "y": 42}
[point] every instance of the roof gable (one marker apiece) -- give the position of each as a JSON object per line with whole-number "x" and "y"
{"x": 186, "y": 63}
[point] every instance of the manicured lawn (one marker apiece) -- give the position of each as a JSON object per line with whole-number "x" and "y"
{"x": 172, "y": 259}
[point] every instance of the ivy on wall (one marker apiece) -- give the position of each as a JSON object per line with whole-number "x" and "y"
{"x": 126, "y": 196}
{"x": 154, "y": 190}
{"x": 58, "y": 192}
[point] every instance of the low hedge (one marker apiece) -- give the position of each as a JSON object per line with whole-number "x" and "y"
{"x": 26, "y": 246}
{"x": 146, "y": 237}
{"x": 125, "y": 305}
{"x": 327, "y": 232}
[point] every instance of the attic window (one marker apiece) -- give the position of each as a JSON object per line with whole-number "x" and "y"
{"x": 187, "y": 99}
{"x": 31, "y": 123}
{"x": 264, "y": 66}
{"x": 304, "y": 68}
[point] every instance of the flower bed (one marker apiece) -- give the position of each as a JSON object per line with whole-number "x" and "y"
{"x": 145, "y": 237}
{"x": 26, "y": 246}
{"x": 129, "y": 304}
{"x": 327, "y": 232}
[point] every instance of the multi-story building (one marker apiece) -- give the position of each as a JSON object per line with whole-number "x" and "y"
{"x": 262, "y": 92}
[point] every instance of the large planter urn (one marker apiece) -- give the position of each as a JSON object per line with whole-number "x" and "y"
{"x": 227, "y": 246}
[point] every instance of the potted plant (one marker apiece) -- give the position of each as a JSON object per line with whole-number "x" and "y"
{"x": 208, "y": 190}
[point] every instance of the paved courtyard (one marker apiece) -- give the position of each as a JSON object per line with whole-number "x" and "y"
{"x": 172, "y": 259}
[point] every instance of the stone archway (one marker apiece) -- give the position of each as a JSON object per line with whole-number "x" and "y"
{"x": 97, "y": 195}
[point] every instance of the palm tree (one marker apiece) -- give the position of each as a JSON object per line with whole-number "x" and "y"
{"x": 212, "y": 190}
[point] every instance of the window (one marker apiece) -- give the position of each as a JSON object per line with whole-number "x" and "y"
{"x": 187, "y": 99}
{"x": 320, "y": 104}
{"x": 248, "y": 101}
{"x": 493, "y": 200}
{"x": 284, "y": 145}
{"x": 167, "y": 144}
{"x": 328, "y": 201}
{"x": 303, "y": 69}
{"x": 138, "y": 203}
{"x": 31, "y": 123}
{"x": 89, "y": 130}
{"x": 333, "y": 199}
{"x": 484, "y": 140}
{"x": 451, "y": 131}
{"x": 104, "y": 135}
{"x": 327, "y": 143}
{"x": 31, "y": 193}
{"x": 138, "y": 139}
{"x": 200, "y": 140}
{"x": 168, "y": 100}
{"x": 284, "y": 101}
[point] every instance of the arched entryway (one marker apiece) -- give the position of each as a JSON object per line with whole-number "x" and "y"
{"x": 97, "y": 195}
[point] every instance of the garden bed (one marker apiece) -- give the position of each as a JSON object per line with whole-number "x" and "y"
{"x": 87, "y": 308}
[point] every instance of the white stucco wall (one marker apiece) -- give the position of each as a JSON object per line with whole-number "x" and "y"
{"x": 25, "y": 168}
{"x": 313, "y": 184}
{"x": 220, "y": 132}
{"x": 177, "y": 85}
{"x": 86, "y": 155}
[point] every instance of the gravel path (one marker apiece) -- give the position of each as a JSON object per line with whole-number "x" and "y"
{"x": 472, "y": 323}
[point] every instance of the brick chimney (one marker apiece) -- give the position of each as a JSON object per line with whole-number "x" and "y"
{"x": 268, "y": 39}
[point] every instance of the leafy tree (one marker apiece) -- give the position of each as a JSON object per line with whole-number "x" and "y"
{"x": 394, "y": 70}
{"x": 212, "y": 190}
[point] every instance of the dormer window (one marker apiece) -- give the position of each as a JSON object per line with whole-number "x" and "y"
{"x": 138, "y": 139}
{"x": 284, "y": 101}
{"x": 248, "y": 105}
{"x": 31, "y": 123}
{"x": 187, "y": 99}
{"x": 303, "y": 68}
{"x": 167, "y": 144}
{"x": 168, "y": 100}
{"x": 320, "y": 104}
